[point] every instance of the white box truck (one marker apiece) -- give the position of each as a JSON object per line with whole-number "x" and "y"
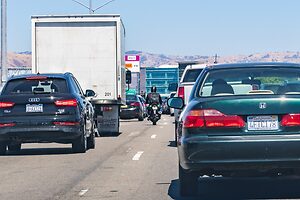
{"x": 91, "y": 47}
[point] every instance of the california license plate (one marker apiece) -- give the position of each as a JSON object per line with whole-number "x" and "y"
{"x": 34, "y": 108}
{"x": 262, "y": 123}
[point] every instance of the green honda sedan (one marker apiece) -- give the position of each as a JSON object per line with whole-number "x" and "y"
{"x": 241, "y": 120}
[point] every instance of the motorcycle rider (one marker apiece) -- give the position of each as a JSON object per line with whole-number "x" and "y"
{"x": 153, "y": 97}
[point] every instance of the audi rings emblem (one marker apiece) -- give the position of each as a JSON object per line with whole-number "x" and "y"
{"x": 33, "y": 100}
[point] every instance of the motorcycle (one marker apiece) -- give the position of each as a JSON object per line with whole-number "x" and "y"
{"x": 154, "y": 113}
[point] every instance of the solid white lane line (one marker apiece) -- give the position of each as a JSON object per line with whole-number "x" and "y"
{"x": 135, "y": 133}
{"x": 82, "y": 192}
{"x": 137, "y": 155}
{"x": 153, "y": 136}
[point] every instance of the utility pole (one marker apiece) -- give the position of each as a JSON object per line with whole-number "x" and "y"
{"x": 3, "y": 74}
{"x": 91, "y": 7}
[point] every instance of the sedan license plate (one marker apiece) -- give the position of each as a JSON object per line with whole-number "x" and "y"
{"x": 34, "y": 108}
{"x": 262, "y": 123}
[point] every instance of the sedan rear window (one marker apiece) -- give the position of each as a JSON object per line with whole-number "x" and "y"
{"x": 191, "y": 75}
{"x": 249, "y": 81}
{"x": 49, "y": 85}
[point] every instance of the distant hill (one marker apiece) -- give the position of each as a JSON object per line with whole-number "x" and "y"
{"x": 22, "y": 59}
{"x": 151, "y": 60}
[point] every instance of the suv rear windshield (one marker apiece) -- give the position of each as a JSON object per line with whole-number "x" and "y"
{"x": 49, "y": 85}
{"x": 249, "y": 81}
{"x": 191, "y": 75}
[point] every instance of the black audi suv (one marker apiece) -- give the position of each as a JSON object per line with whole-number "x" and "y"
{"x": 45, "y": 108}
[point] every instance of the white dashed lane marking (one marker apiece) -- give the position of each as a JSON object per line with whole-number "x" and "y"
{"x": 153, "y": 136}
{"x": 82, "y": 192}
{"x": 137, "y": 155}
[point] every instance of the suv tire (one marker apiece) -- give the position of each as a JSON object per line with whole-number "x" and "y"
{"x": 14, "y": 147}
{"x": 3, "y": 147}
{"x": 79, "y": 145}
{"x": 188, "y": 182}
{"x": 91, "y": 140}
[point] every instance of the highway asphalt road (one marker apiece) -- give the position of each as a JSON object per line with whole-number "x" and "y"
{"x": 141, "y": 163}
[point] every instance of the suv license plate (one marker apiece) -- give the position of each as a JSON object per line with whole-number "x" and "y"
{"x": 262, "y": 123}
{"x": 34, "y": 108}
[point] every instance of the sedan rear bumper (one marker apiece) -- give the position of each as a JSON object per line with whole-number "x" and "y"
{"x": 258, "y": 152}
{"x": 129, "y": 113}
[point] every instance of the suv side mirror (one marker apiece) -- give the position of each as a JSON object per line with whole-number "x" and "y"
{"x": 128, "y": 77}
{"x": 90, "y": 93}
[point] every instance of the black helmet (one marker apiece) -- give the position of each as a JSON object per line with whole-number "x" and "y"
{"x": 153, "y": 89}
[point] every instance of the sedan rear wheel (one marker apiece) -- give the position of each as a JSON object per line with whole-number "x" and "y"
{"x": 14, "y": 147}
{"x": 79, "y": 145}
{"x": 188, "y": 182}
{"x": 3, "y": 148}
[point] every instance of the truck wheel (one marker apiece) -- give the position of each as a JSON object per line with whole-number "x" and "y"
{"x": 3, "y": 148}
{"x": 91, "y": 140}
{"x": 14, "y": 147}
{"x": 79, "y": 145}
{"x": 188, "y": 182}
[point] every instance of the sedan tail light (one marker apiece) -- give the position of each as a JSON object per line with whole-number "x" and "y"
{"x": 68, "y": 102}
{"x": 291, "y": 120}
{"x": 136, "y": 104}
{"x": 6, "y": 104}
{"x": 211, "y": 118}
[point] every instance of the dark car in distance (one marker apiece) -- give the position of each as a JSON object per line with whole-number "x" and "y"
{"x": 135, "y": 108}
{"x": 241, "y": 120}
{"x": 45, "y": 108}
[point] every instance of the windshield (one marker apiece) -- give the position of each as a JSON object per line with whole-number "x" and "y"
{"x": 191, "y": 75}
{"x": 130, "y": 98}
{"x": 249, "y": 81}
{"x": 49, "y": 85}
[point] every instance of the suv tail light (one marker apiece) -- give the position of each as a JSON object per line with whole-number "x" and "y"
{"x": 36, "y": 78}
{"x": 6, "y": 104}
{"x": 136, "y": 104}
{"x": 68, "y": 102}
{"x": 66, "y": 123}
{"x": 181, "y": 92}
{"x": 211, "y": 118}
{"x": 291, "y": 120}
{"x": 2, "y": 125}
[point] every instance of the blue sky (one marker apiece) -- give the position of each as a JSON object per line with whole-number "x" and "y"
{"x": 179, "y": 27}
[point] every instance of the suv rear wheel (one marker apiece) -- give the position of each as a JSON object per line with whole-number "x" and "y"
{"x": 91, "y": 139}
{"x": 3, "y": 147}
{"x": 14, "y": 147}
{"x": 188, "y": 182}
{"x": 79, "y": 145}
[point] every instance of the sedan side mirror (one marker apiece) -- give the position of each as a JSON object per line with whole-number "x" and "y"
{"x": 175, "y": 102}
{"x": 90, "y": 93}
